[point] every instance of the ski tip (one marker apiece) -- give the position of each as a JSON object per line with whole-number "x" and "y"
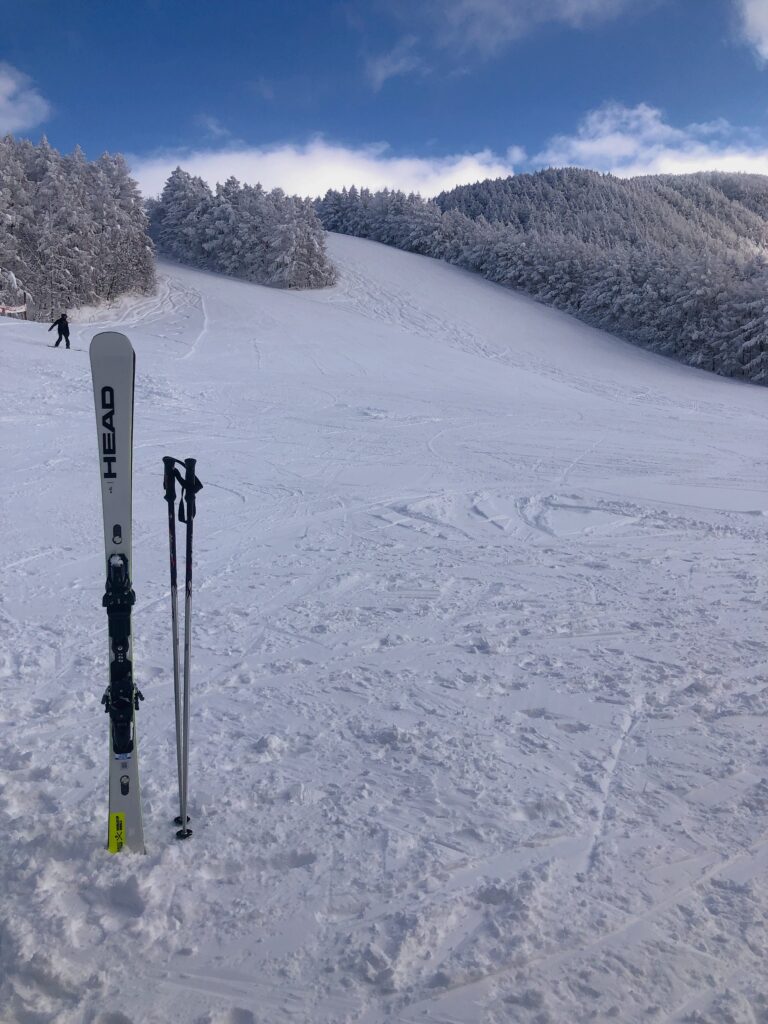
{"x": 106, "y": 342}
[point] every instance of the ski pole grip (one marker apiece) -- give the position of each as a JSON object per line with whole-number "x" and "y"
{"x": 191, "y": 486}
{"x": 169, "y": 477}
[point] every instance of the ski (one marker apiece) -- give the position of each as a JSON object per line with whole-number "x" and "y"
{"x": 113, "y": 371}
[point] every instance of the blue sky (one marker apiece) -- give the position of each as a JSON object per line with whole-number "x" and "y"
{"x": 386, "y": 92}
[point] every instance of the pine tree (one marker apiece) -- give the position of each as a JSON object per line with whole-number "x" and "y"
{"x": 74, "y": 232}
{"x": 268, "y": 238}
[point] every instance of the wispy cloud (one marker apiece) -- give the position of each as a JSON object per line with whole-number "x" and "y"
{"x": 465, "y": 31}
{"x": 262, "y": 88}
{"x": 401, "y": 60}
{"x": 21, "y": 105}
{"x": 213, "y": 126}
{"x": 488, "y": 25}
{"x": 468, "y": 30}
{"x": 637, "y": 140}
{"x": 754, "y": 21}
{"x": 313, "y": 168}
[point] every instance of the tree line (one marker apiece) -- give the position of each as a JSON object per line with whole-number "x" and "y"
{"x": 77, "y": 232}
{"x": 675, "y": 263}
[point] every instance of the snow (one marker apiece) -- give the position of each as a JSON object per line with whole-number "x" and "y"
{"x": 479, "y": 682}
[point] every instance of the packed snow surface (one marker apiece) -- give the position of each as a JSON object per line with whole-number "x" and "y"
{"x": 480, "y": 672}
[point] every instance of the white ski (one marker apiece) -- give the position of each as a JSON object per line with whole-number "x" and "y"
{"x": 113, "y": 371}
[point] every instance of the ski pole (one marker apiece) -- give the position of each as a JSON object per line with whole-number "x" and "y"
{"x": 191, "y": 486}
{"x": 169, "y": 483}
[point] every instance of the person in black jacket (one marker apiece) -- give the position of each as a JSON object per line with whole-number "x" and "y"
{"x": 63, "y": 325}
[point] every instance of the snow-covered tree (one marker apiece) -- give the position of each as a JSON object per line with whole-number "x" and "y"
{"x": 73, "y": 231}
{"x": 178, "y": 220}
{"x": 243, "y": 231}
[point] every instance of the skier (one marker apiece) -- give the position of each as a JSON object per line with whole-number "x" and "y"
{"x": 63, "y": 326}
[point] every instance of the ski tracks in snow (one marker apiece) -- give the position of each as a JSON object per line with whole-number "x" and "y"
{"x": 478, "y": 687}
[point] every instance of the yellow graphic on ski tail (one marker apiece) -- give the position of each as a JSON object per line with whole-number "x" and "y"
{"x": 116, "y": 832}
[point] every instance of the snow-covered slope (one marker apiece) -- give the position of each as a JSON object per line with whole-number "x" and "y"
{"x": 480, "y": 672}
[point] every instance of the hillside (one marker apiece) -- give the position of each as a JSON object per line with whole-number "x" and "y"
{"x": 480, "y": 674}
{"x": 675, "y": 263}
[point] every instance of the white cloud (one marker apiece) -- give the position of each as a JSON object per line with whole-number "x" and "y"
{"x": 312, "y": 169}
{"x": 636, "y": 140}
{"x": 516, "y": 155}
{"x": 399, "y": 61}
{"x": 623, "y": 140}
{"x": 21, "y": 105}
{"x": 754, "y": 19}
